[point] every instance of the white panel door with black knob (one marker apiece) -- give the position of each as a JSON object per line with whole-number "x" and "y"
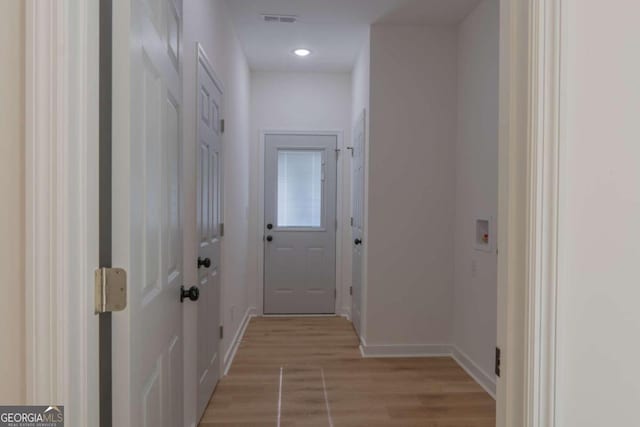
{"x": 147, "y": 197}
{"x": 357, "y": 220}
{"x": 209, "y": 220}
{"x": 300, "y": 224}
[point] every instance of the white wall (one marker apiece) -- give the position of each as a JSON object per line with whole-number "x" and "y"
{"x": 12, "y": 208}
{"x": 303, "y": 102}
{"x": 360, "y": 82}
{"x": 599, "y": 282}
{"x": 207, "y": 21}
{"x": 475, "y": 272}
{"x": 411, "y": 185}
{"x": 361, "y": 86}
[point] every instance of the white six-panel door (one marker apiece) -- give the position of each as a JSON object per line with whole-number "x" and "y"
{"x": 209, "y": 168}
{"x": 147, "y": 213}
{"x": 300, "y": 224}
{"x": 357, "y": 215}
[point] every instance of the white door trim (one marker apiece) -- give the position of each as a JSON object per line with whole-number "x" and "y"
{"x": 61, "y": 206}
{"x": 340, "y": 214}
{"x": 529, "y": 187}
{"x": 45, "y": 84}
{"x": 545, "y": 190}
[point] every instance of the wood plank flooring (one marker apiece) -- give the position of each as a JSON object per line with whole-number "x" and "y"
{"x": 309, "y": 372}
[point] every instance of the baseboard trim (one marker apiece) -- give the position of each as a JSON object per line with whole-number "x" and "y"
{"x": 362, "y": 345}
{"x": 298, "y": 315}
{"x": 480, "y": 376}
{"x": 403, "y": 350}
{"x": 235, "y": 343}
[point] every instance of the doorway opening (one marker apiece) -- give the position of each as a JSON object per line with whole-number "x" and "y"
{"x": 156, "y": 73}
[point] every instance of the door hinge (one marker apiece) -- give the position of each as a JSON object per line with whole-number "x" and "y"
{"x": 222, "y": 229}
{"x": 350, "y": 290}
{"x": 497, "y": 362}
{"x": 352, "y": 221}
{"x": 221, "y": 331}
{"x": 221, "y": 125}
{"x": 110, "y": 290}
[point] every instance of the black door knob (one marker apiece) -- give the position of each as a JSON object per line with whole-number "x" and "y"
{"x": 269, "y": 238}
{"x": 206, "y": 262}
{"x": 193, "y": 293}
{"x": 357, "y": 242}
{"x": 269, "y": 226}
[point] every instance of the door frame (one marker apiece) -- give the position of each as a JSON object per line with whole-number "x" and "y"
{"x": 341, "y": 287}
{"x": 530, "y": 190}
{"x": 61, "y": 206}
{"x": 530, "y": 55}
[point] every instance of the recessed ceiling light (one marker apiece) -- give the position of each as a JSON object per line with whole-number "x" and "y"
{"x": 302, "y": 52}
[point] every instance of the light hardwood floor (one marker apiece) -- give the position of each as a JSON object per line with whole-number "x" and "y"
{"x": 309, "y": 372}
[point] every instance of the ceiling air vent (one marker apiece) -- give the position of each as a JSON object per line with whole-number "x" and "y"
{"x": 282, "y": 19}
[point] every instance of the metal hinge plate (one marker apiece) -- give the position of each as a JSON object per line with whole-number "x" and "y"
{"x": 222, "y": 229}
{"x": 221, "y": 331}
{"x": 222, "y": 126}
{"x": 350, "y": 290}
{"x": 110, "y": 290}
{"x": 498, "y": 361}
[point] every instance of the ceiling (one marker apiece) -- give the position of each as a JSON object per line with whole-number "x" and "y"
{"x": 334, "y": 30}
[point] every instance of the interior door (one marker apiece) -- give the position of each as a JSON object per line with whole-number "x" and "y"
{"x": 209, "y": 159}
{"x": 357, "y": 215}
{"x": 147, "y": 213}
{"x": 300, "y": 224}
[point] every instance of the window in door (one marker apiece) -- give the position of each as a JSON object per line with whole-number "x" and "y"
{"x": 300, "y": 179}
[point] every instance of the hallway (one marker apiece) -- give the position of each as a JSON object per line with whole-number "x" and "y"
{"x": 309, "y": 372}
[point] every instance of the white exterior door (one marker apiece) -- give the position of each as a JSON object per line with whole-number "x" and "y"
{"x": 300, "y": 224}
{"x": 357, "y": 215}
{"x": 209, "y": 159}
{"x": 147, "y": 213}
